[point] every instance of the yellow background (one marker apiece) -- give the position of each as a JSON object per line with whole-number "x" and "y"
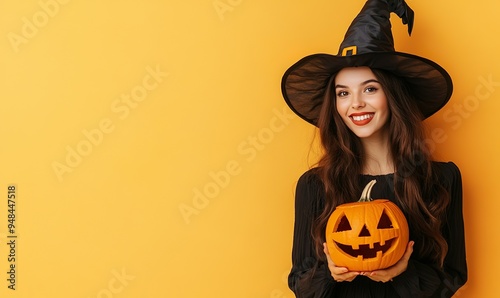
{"x": 186, "y": 156}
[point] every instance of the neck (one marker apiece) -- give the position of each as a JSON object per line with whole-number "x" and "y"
{"x": 377, "y": 155}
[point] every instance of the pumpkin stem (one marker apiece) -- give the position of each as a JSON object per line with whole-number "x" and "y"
{"x": 366, "y": 194}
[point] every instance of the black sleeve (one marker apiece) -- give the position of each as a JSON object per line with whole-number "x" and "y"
{"x": 309, "y": 277}
{"x": 422, "y": 280}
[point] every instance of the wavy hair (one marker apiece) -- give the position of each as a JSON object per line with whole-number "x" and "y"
{"x": 417, "y": 189}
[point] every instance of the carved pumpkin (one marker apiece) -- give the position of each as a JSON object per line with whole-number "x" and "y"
{"x": 367, "y": 235}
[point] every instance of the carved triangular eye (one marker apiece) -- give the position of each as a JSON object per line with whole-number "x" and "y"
{"x": 344, "y": 224}
{"x": 384, "y": 222}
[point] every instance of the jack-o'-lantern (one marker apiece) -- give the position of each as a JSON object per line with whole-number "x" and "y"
{"x": 367, "y": 235}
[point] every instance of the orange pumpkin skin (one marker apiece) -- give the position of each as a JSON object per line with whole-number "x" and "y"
{"x": 367, "y": 236}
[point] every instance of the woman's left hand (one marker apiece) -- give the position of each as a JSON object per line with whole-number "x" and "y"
{"x": 388, "y": 274}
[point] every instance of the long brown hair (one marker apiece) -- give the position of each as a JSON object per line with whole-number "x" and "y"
{"x": 416, "y": 186}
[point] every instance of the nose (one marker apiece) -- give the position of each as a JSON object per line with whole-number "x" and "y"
{"x": 357, "y": 102}
{"x": 364, "y": 232}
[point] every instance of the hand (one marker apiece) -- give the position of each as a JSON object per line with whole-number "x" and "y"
{"x": 339, "y": 274}
{"x": 388, "y": 274}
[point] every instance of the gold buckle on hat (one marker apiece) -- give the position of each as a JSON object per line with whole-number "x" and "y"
{"x": 352, "y": 49}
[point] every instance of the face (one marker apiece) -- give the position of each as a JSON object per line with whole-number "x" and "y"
{"x": 361, "y": 102}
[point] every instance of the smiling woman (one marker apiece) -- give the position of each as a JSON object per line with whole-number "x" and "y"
{"x": 369, "y": 102}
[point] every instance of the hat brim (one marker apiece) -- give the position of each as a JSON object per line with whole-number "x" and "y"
{"x": 304, "y": 83}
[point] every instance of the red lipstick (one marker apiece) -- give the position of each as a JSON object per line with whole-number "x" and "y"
{"x": 361, "y": 119}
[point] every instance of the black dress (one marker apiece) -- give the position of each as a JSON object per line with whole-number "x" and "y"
{"x": 421, "y": 279}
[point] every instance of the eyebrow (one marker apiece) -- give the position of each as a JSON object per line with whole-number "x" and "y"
{"x": 363, "y": 83}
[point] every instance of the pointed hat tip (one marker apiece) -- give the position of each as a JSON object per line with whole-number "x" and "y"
{"x": 403, "y": 11}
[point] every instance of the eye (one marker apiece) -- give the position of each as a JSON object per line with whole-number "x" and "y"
{"x": 342, "y": 93}
{"x": 344, "y": 224}
{"x": 370, "y": 89}
{"x": 384, "y": 222}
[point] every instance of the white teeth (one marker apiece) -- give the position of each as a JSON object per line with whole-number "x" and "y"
{"x": 362, "y": 117}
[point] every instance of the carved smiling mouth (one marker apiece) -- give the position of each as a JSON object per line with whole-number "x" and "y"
{"x": 364, "y": 250}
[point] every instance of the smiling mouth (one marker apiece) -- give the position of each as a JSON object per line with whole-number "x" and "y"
{"x": 364, "y": 250}
{"x": 362, "y": 119}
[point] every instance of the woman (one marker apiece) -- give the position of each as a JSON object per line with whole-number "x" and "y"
{"x": 368, "y": 103}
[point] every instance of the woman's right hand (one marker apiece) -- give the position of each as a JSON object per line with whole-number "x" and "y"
{"x": 339, "y": 274}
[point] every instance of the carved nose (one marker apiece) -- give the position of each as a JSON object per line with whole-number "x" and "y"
{"x": 364, "y": 232}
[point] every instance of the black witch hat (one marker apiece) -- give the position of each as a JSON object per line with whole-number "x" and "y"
{"x": 368, "y": 42}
